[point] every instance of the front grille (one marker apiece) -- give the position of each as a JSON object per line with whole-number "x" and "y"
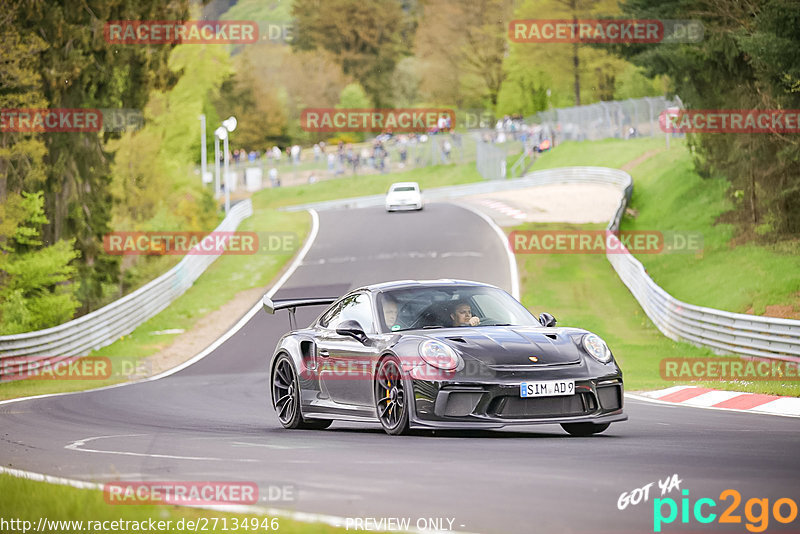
{"x": 519, "y": 407}
{"x": 462, "y": 403}
{"x": 610, "y": 397}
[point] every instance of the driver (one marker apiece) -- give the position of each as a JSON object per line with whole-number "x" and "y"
{"x": 390, "y": 312}
{"x": 462, "y": 315}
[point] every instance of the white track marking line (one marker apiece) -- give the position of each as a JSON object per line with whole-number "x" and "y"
{"x": 512, "y": 261}
{"x": 77, "y": 446}
{"x": 227, "y": 335}
{"x": 505, "y": 209}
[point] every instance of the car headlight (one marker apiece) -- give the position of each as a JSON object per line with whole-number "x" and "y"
{"x": 597, "y": 348}
{"x": 439, "y": 355}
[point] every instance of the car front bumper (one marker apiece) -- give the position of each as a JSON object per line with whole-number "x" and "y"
{"x": 399, "y": 207}
{"x": 494, "y": 404}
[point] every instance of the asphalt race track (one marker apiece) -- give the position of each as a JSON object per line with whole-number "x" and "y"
{"x": 212, "y": 421}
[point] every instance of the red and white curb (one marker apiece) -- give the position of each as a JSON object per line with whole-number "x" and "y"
{"x": 503, "y": 208}
{"x": 725, "y": 400}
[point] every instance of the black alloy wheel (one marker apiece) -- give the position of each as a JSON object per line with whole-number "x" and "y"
{"x": 391, "y": 397}
{"x": 286, "y": 398}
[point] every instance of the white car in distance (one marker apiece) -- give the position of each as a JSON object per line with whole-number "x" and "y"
{"x": 404, "y": 196}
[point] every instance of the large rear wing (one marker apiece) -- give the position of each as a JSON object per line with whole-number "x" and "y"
{"x": 271, "y": 306}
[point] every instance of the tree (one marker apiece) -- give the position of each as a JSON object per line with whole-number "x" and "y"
{"x": 21, "y": 154}
{"x": 253, "y": 98}
{"x": 484, "y": 28}
{"x": 36, "y": 289}
{"x": 460, "y": 47}
{"x": 575, "y": 73}
{"x": 366, "y": 39}
{"x": 353, "y": 96}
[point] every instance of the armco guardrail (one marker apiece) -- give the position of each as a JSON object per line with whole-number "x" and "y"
{"x": 101, "y": 327}
{"x": 723, "y": 332}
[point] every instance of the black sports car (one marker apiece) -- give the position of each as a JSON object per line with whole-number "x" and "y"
{"x": 440, "y": 354}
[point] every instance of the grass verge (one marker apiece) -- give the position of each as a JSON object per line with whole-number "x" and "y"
{"x": 372, "y": 184}
{"x": 28, "y": 500}
{"x": 670, "y": 196}
{"x": 743, "y": 278}
{"x": 613, "y": 153}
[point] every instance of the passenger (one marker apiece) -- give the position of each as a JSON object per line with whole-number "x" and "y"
{"x": 462, "y": 315}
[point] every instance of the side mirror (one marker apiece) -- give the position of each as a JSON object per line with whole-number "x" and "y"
{"x": 353, "y": 329}
{"x": 547, "y": 320}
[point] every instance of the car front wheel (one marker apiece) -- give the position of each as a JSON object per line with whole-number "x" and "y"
{"x": 584, "y": 429}
{"x": 391, "y": 398}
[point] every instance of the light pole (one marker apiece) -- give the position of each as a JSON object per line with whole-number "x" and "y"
{"x": 203, "y": 150}
{"x": 228, "y": 125}
{"x": 219, "y": 131}
{"x": 227, "y": 173}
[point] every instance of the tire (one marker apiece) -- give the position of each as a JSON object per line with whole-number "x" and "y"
{"x": 391, "y": 398}
{"x": 584, "y": 429}
{"x": 286, "y": 397}
{"x": 316, "y": 424}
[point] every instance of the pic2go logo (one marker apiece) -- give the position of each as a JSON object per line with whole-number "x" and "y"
{"x": 756, "y": 511}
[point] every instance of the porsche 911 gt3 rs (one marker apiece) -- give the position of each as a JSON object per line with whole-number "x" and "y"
{"x": 440, "y": 354}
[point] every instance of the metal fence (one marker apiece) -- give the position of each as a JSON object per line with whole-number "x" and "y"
{"x": 722, "y": 331}
{"x": 491, "y": 161}
{"x": 102, "y": 327}
{"x": 621, "y": 119}
{"x": 400, "y": 153}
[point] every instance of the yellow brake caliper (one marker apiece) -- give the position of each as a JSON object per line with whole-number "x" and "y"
{"x": 388, "y": 395}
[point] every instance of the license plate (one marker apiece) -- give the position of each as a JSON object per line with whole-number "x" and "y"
{"x": 547, "y": 388}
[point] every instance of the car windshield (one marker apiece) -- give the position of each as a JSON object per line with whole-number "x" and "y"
{"x": 404, "y": 188}
{"x": 450, "y": 306}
